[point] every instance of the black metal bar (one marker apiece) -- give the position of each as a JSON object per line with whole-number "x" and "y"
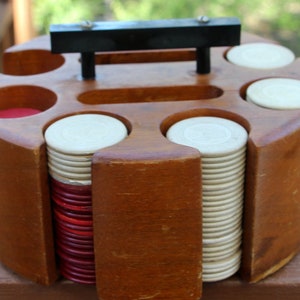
{"x": 146, "y": 35}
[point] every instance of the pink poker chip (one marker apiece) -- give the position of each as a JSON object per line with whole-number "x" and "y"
{"x": 18, "y": 112}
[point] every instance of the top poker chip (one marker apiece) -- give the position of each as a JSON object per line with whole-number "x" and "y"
{"x": 212, "y": 136}
{"x": 260, "y": 56}
{"x": 85, "y": 133}
{"x": 275, "y": 93}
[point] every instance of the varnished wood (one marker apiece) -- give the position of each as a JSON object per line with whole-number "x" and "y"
{"x": 284, "y": 284}
{"x": 143, "y": 242}
{"x": 271, "y": 214}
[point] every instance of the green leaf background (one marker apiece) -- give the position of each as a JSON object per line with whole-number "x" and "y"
{"x": 275, "y": 19}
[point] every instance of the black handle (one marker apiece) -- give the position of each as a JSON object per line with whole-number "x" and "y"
{"x": 200, "y": 33}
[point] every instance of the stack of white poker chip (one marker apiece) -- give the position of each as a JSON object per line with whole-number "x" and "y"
{"x": 72, "y": 141}
{"x": 275, "y": 93}
{"x": 222, "y": 144}
{"x": 260, "y": 56}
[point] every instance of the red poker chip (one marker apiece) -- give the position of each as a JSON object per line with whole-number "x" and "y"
{"x": 74, "y": 197}
{"x": 87, "y": 217}
{"x": 18, "y": 112}
{"x": 60, "y": 230}
{"x": 71, "y": 201}
{"x": 72, "y": 226}
{"x": 76, "y": 252}
{"x": 75, "y": 245}
{"x": 86, "y": 209}
{"x": 72, "y": 194}
{"x": 80, "y": 233}
{"x": 78, "y": 278}
{"x": 75, "y": 221}
{"x": 78, "y": 273}
{"x": 78, "y": 261}
{"x": 71, "y": 188}
{"x": 79, "y": 270}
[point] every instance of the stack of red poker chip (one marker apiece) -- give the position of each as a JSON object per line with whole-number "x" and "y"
{"x": 71, "y": 143}
{"x": 72, "y": 208}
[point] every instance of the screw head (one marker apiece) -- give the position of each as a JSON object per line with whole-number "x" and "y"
{"x": 203, "y": 19}
{"x": 86, "y": 25}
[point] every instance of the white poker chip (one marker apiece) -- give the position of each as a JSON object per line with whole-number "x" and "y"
{"x": 82, "y": 158}
{"x": 225, "y": 158}
{"x": 275, "y": 93}
{"x": 232, "y": 237}
{"x": 221, "y": 254}
{"x": 224, "y": 199}
{"x": 224, "y": 270}
{"x": 70, "y": 181}
{"x": 260, "y": 56}
{"x": 58, "y": 161}
{"x": 222, "y": 167}
{"x": 224, "y": 263}
{"x": 231, "y": 225}
{"x": 212, "y": 136}
{"x": 71, "y": 169}
{"x": 221, "y": 275}
{"x": 223, "y": 211}
{"x": 239, "y": 170}
{"x": 221, "y": 224}
{"x": 85, "y": 133}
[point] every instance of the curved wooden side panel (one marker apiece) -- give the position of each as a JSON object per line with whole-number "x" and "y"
{"x": 272, "y": 204}
{"x": 25, "y": 213}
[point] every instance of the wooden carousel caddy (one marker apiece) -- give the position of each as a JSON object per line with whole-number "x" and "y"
{"x": 146, "y": 192}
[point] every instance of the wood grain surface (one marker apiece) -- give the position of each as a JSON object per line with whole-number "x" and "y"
{"x": 283, "y": 285}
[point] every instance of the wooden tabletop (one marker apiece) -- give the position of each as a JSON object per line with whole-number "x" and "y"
{"x": 283, "y": 285}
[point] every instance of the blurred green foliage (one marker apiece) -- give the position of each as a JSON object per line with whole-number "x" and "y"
{"x": 48, "y": 12}
{"x": 275, "y": 19}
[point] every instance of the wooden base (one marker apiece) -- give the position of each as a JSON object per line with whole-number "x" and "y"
{"x": 285, "y": 284}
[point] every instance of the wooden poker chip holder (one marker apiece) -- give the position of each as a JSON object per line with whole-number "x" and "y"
{"x": 146, "y": 190}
